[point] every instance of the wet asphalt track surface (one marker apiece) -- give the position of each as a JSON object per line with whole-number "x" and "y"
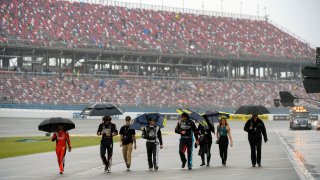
{"x": 287, "y": 155}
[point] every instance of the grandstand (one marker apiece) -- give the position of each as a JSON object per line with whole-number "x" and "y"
{"x": 143, "y": 91}
{"x": 78, "y": 52}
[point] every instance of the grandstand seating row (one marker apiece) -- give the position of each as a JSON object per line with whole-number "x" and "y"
{"x": 55, "y": 23}
{"x": 131, "y": 92}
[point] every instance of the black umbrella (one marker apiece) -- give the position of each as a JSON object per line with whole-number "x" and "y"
{"x": 287, "y": 99}
{"x": 213, "y": 116}
{"x": 194, "y": 116}
{"x": 102, "y": 109}
{"x": 50, "y": 125}
{"x": 252, "y": 110}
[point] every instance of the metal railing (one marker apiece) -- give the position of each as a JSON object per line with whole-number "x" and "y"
{"x": 9, "y": 74}
{"x": 168, "y": 8}
{"x": 86, "y": 46}
{"x": 291, "y": 33}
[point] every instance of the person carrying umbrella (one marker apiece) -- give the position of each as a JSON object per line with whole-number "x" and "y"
{"x": 128, "y": 139}
{"x": 59, "y": 127}
{"x": 255, "y": 128}
{"x": 187, "y": 129}
{"x": 107, "y": 130}
{"x": 62, "y": 138}
{"x": 205, "y": 141}
{"x": 223, "y": 133}
{"x": 152, "y": 134}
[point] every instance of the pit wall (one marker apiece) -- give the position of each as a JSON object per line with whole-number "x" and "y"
{"x": 32, "y": 113}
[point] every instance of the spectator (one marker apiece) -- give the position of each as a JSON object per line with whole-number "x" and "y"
{"x": 84, "y": 25}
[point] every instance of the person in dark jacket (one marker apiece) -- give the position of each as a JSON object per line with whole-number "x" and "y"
{"x": 152, "y": 134}
{"x": 205, "y": 141}
{"x": 255, "y": 128}
{"x": 107, "y": 130}
{"x": 187, "y": 129}
{"x": 128, "y": 141}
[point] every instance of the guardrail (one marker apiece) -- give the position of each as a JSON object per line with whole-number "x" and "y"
{"x": 169, "y": 9}
{"x": 6, "y": 74}
{"x": 151, "y": 108}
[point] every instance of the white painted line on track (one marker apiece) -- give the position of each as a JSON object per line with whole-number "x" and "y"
{"x": 298, "y": 165}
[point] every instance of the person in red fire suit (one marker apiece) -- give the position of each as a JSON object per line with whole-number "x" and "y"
{"x": 62, "y": 139}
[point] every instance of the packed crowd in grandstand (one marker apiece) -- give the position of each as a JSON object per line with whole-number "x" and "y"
{"x": 56, "y": 23}
{"x": 143, "y": 92}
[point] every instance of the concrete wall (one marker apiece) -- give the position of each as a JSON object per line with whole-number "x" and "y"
{"x": 32, "y": 113}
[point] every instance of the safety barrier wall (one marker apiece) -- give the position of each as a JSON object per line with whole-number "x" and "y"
{"x": 134, "y": 109}
{"x": 33, "y": 113}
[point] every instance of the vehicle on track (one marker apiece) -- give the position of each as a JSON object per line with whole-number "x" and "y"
{"x": 300, "y": 118}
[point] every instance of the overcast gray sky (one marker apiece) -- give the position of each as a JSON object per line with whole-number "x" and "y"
{"x": 301, "y": 17}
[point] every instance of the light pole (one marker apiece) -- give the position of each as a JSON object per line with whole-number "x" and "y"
{"x": 162, "y": 4}
{"x": 202, "y": 6}
{"x": 182, "y": 5}
{"x": 265, "y": 13}
{"x": 222, "y": 7}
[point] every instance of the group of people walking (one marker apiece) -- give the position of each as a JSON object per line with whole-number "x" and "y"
{"x": 190, "y": 136}
{"x": 202, "y": 135}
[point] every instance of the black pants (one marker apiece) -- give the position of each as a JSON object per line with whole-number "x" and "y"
{"x": 152, "y": 152}
{"x": 223, "y": 147}
{"x": 186, "y": 144}
{"x": 255, "y": 145}
{"x": 106, "y": 146}
{"x": 205, "y": 148}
